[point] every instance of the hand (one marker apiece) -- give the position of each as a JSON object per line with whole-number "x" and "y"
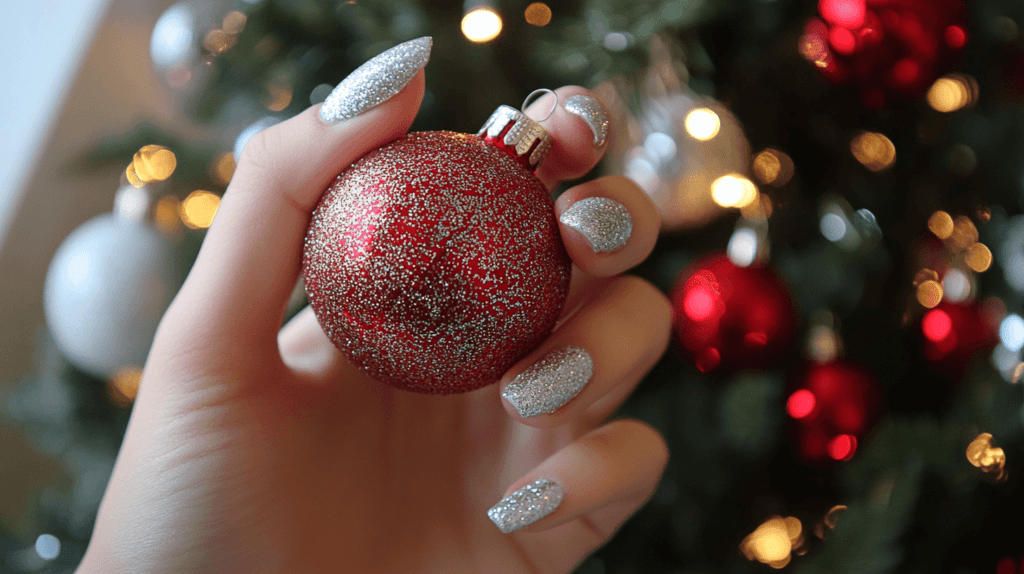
{"x": 258, "y": 449}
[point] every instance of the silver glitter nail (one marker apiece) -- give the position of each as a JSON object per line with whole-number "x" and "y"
{"x": 592, "y": 113}
{"x": 550, "y": 382}
{"x": 605, "y": 223}
{"x": 376, "y": 81}
{"x": 527, "y": 505}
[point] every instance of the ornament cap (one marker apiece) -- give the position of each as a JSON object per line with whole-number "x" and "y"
{"x": 514, "y": 133}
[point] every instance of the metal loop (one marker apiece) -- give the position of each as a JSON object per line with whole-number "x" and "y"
{"x": 541, "y": 91}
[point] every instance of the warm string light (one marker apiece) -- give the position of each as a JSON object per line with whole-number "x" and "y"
{"x": 151, "y": 163}
{"x": 774, "y": 542}
{"x": 873, "y": 150}
{"x": 773, "y": 167}
{"x": 124, "y": 386}
{"x": 702, "y": 124}
{"x": 991, "y": 460}
{"x": 199, "y": 208}
{"x": 952, "y": 92}
{"x": 960, "y": 237}
{"x": 733, "y": 190}
{"x": 828, "y": 523}
{"x": 538, "y": 14}
{"x": 481, "y": 25}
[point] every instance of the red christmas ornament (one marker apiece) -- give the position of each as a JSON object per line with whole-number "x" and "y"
{"x": 952, "y": 333}
{"x": 435, "y": 262}
{"x": 888, "y": 48}
{"x": 736, "y": 317}
{"x": 834, "y": 406}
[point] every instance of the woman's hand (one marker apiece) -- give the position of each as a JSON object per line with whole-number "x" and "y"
{"x": 258, "y": 449}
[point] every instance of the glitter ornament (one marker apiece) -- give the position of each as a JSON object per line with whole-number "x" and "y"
{"x": 833, "y": 406}
{"x": 726, "y": 316}
{"x": 435, "y": 262}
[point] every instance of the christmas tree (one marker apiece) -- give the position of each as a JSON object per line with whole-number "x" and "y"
{"x": 839, "y": 185}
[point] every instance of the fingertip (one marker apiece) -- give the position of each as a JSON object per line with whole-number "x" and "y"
{"x": 578, "y": 133}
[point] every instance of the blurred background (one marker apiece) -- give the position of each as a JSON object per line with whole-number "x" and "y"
{"x": 841, "y": 188}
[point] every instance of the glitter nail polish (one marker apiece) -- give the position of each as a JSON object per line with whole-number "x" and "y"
{"x": 376, "y": 81}
{"x": 605, "y": 223}
{"x": 527, "y": 505}
{"x": 550, "y": 382}
{"x": 592, "y": 113}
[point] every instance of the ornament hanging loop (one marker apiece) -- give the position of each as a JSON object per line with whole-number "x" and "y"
{"x": 541, "y": 91}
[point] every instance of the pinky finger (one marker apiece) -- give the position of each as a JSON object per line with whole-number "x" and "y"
{"x": 590, "y": 487}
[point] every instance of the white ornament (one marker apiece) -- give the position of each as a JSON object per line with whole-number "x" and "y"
{"x": 106, "y": 289}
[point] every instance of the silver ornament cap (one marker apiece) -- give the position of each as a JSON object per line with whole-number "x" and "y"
{"x": 525, "y": 139}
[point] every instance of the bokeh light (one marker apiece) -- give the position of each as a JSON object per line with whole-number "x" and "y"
{"x": 743, "y": 247}
{"x": 733, "y": 190}
{"x": 978, "y": 257}
{"x": 234, "y": 22}
{"x": 956, "y": 286}
{"x": 278, "y": 96}
{"x": 165, "y": 214}
{"x": 702, "y": 124}
{"x": 842, "y": 447}
{"x": 151, "y": 163}
{"x": 964, "y": 233}
{"x": 223, "y": 168}
{"x": 47, "y": 546}
{"x": 199, "y": 208}
{"x": 828, "y": 522}
{"x": 481, "y": 25}
{"x": 801, "y": 404}
{"x": 873, "y": 150}
{"x": 941, "y": 224}
{"x": 124, "y": 386}
{"x": 990, "y": 459}
{"x": 929, "y": 293}
{"x": 950, "y": 93}
{"x": 773, "y": 542}
{"x": 1011, "y": 332}
{"x": 845, "y": 13}
{"x": 773, "y": 167}
{"x": 936, "y": 325}
{"x": 538, "y": 14}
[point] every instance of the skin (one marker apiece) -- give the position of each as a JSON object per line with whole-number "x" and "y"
{"x": 253, "y": 448}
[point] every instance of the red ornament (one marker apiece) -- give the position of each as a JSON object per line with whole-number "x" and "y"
{"x": 952, "y": 333}
{"x": 887, "y": 48}
{"x": 834, "y": 406}
{"x": 435, "y": 263}
{"x": 737, "y": 317}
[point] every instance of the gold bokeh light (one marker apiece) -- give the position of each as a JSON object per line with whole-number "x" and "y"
{"x": 991, "y": 460}
{"x": 941, "y": 224}
{"x": 873, "y": 150}
{"x": 199, "y": 208}
{"x": 280, "y": 95}
{"x": 948, "y": 95}
{"x": 124, "y": 386}
{"x": 234, "y": 22}
{"x": 223, "y": 167}
{"x": 773, "y": 167}
{"x": 964, "y": 232}
{"x": 702, "y": 124}
{"x": 165, "y": 214}
{"x": 978, "y": 257}
{"x": 538, "y": 14}
{"x": 929, "y": 293}
{"x": 481, "y": 25}
{"x": 774, "y": 542}
{"x": 733, "y": 190}
{"x": 151, "y": 163}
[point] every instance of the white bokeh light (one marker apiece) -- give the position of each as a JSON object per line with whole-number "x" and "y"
{"x": 1011, "y": 332}
{"x": 742, "y": 248}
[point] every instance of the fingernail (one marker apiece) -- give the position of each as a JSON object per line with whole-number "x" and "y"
{"x": 605, "y": 223}
{"x": 550, "y": 382}
{"x": 526, "y": 505}
{"x": 376, "y": 81}
{"x": 592, "y": 113}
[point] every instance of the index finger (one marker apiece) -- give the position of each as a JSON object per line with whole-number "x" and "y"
{"x": 578, "y": 127}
